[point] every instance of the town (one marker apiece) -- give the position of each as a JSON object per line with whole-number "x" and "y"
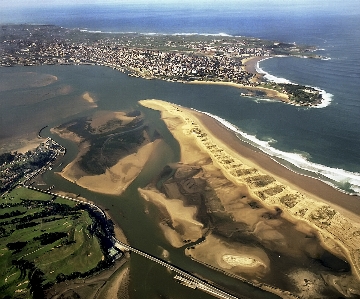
{"x": 171, "y": 57}
{"x": 18, "y": 167}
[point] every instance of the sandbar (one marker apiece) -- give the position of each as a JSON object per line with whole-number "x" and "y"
{"x": 237, "y": 259}
{"x": 333, "y": 215}
{"x": 116, "y": 178}
{"x": 183, "y": 223}
{"x": 100, "y": 119}
{"x": 87, "y": 97}
{"x": 24, "y": 80}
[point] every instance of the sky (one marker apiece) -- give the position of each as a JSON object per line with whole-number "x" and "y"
{"x": 288, "y": 7}
{"x": 212, "y": 3}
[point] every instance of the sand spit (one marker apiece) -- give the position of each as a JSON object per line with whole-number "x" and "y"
{"x": 338, "y": 234}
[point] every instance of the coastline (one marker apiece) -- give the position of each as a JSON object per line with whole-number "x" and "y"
{"x": 313, "y": 197}
{"x": 250, "y": 65}
{"x": 348, "y": 204}
{"x": 270, "y": 93}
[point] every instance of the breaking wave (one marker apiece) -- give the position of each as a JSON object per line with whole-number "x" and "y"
{"x": 343, "y": 180}
{"x": 327, "y": 97}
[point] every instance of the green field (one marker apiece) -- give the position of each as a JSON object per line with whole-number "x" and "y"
{"x": 43, "y": 239}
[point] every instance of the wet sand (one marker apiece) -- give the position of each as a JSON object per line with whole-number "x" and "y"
{"x": 270, "y": 93}
{"x": 90, "y": 99}
{"x": 251, "y": 63}
{"x": 25, "y": 80}
{"x": 348, "y": 204}
{"x": 116, "y": 178}
{"x": 182, "y": 218}
{"x": 305, "y": 201}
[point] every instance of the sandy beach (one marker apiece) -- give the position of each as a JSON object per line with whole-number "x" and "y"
{"x": 309, "y": 203}
{"x": 249, "y": 65}
{"x": 270, "y": 93}
{"x": 30, "y": 145}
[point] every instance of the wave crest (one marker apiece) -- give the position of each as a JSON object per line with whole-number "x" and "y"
{"x": 343, "y": 180}
{"x": 327, "y": 97}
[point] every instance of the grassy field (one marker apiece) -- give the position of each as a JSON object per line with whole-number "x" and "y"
{"x": 42, "y": 237}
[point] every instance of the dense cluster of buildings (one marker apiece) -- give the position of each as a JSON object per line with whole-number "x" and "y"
{"x": 28, "y": 165}
{"x": 167, "y": 57}
{"x": 180, "y": 59}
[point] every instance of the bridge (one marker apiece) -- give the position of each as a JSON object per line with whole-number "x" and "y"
{"x": 182, "y": 276}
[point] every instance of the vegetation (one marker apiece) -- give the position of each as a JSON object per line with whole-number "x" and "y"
{"x": 6, "y": 158}
{"x": 109, "y": 142}
{"x": 44, "y": 240}
{"x": 298, "y": 94}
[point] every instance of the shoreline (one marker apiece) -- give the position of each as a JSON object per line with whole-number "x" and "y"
{"x": 307, "y": 184}
{"x": 247, "y": 141}
{"x": 313, "y": 197}
{"x": 270, "y": 93}
{"x": 250, "y": 65}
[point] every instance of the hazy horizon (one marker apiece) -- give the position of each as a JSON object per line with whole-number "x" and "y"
{"x": 270, "y": 6}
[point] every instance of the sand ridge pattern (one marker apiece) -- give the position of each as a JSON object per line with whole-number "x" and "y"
{"x": 337, "y": 233}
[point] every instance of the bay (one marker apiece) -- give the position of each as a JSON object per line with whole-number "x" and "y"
{"x": 326, "y": 137}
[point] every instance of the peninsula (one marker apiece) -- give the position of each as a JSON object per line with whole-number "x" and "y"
{"x": 245, "y": 195}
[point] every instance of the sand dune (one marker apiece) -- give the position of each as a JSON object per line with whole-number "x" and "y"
{"x": 183, "y": 223}
{"x": 338, "y": 234}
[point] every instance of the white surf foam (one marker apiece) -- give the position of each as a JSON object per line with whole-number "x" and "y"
{"x": 338, "y": 178}
{"x": 327, "y": 97}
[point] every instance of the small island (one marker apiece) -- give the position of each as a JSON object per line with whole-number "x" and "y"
{"x": 113, "y": 148}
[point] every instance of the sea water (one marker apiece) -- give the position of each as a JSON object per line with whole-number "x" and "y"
{"x": 324, "y": 141}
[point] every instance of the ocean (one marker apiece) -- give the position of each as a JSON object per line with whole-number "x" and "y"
{"x": 321, "y": 142}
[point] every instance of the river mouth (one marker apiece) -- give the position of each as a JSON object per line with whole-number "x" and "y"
{"x": 139, "y": 219}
